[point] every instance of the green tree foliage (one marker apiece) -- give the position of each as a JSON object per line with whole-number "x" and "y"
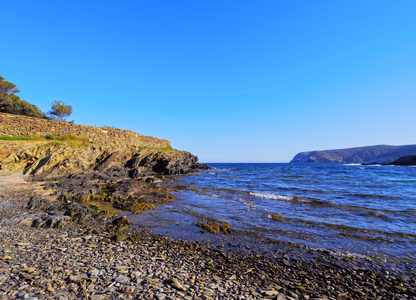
{"x": 12, "y": 104}
{"x": 21, "y": 107}
{"x": 60, "y": 110}
{"x": 6, "y": 90}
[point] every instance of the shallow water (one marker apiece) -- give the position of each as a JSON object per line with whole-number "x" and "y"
{"x": 352, "y": 209}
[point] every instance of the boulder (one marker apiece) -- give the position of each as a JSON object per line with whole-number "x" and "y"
{"x": 121, "y": 221}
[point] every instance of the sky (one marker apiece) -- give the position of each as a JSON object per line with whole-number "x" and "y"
{"x": 229, "y": 81}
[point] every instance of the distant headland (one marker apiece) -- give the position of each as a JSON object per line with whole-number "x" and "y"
{"x": 379, "y": 154}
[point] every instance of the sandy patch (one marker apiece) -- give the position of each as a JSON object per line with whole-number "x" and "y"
{"x": 17, "y": 182}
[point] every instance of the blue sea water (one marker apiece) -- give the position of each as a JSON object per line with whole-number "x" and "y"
{"x": 350, "y": 209}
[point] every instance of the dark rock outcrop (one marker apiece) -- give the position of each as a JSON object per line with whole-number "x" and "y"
{"x": 371, "y": 154}
{"x": 409, "y": 160}
{"x": 163, "y": 162}
{"x": 47, "y": 214}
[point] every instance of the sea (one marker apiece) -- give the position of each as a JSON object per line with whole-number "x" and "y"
{"x": 346, "y": 209}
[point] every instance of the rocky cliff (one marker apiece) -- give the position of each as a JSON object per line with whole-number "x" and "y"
{"x": 57, "y": 160}
{"x": 369, "y": 154}
{"x": 84, "y": 167}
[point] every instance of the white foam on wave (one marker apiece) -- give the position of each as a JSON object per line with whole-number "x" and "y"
{"x": 351, "y": 164}
{"x": 343, "y": 253}
{"x": 244, "y": 201}
{"x": 271, "y": 196}
{"x": 215, "y": 196}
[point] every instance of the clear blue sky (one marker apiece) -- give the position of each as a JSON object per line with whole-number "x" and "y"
{"x": 229, "y": 81}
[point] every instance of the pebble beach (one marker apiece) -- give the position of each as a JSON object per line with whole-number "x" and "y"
{"x": 82, "y": 261}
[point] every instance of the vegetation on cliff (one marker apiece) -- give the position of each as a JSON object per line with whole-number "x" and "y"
{"x": 6, "y": 90}
{"x": 60, "y": 110}
{"x": 10, "y": 103}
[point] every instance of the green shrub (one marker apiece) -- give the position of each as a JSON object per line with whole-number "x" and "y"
{"x": 21, "y": 107}
{"x": 50, "y": 137}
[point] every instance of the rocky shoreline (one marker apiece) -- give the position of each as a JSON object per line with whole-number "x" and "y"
{"x": 86, "y": 260}
{"x": 62, "y": 239}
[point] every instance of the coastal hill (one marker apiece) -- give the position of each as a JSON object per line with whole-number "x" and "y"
{"x": 382, "y": 154}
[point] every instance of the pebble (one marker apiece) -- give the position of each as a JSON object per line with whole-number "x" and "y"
{"x": 270, "y": 292}
{"x": 122, "y": 279}
{"x": 161, "y": 296}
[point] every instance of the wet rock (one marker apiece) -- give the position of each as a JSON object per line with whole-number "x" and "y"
{"x": 51, "y": 221}
{"x": 215, "y": 226}
{"x": 121, "y": 221}
{"x": 42, "y": 205}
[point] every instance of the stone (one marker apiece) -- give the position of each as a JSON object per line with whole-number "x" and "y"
{"x": 98, "y": 297}
{"x": 176, "y": 284}
{"x": 270, "y": 292}
{"x": 121, "y": 221}
{"x": 161, "y": 296}
{"x": 122, "y": 279}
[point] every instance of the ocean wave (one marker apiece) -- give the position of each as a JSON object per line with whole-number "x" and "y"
{"x": 247, "y": 202}
{"x": 271, "y": 196}
{"x": 219, "y": 169}
{"x": 215, "y": 196}
{"x": 343, "y": 253}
